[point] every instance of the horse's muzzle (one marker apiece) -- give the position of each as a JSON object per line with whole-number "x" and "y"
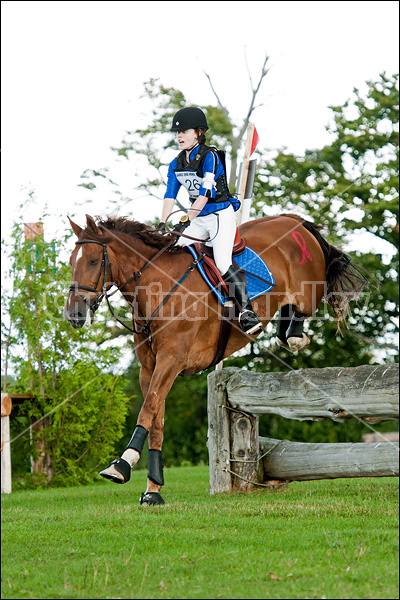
{"x": 79, "y": 316}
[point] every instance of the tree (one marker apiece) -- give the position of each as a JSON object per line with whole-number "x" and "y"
{"x": 78, "y": 410}
{"x": 359, "y": 170}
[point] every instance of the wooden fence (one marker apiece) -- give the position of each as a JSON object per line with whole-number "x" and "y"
{"x": 8, "y": 402}
{"x": 240, "y": 459}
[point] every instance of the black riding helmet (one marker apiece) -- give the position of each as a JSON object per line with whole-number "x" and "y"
{"x": 189, "y": 118}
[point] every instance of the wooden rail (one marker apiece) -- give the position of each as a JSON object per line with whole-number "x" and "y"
{"x": 237, "y": 397}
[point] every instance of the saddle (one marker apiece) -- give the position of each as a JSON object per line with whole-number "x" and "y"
{"x": 250, "y": 266}
{"x": 239, "y": 246}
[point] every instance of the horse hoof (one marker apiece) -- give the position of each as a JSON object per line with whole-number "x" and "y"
{"x": 295, "y": 343}
{"x": 150, "y": 499}
{"x": 281, "y": 343}
{"x": 118, "y": 471}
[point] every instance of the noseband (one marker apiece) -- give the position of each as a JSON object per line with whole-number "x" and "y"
{"x": 105, "y": 263}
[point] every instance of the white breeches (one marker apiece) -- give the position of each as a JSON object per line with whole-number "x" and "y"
{"x": 220, "y": 227}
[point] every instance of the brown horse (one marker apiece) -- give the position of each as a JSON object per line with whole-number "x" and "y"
{"x": 177, "y": 319}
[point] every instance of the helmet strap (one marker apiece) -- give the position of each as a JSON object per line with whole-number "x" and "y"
{"x": 188, "y": 150}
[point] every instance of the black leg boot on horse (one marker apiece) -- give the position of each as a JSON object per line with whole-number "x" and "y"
{"x": 289, "y": 333}
{"x": 155, "y": 476}
{"x": 248, "y": 320}
{"x": 119, "y": 470}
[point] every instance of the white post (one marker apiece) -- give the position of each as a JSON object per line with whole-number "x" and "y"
{"x": 243, "y": 191}
{"x": 245, "y": 171}
{"x": 6, "y": 405}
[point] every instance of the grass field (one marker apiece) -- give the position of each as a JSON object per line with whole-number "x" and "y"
{"x": 327, "y": 539}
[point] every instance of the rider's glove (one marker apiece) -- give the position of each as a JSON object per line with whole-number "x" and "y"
{"x": 161, "y": 227}
{"x": 183, "y": 223}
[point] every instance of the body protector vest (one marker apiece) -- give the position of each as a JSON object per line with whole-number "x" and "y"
{"x": 191, "y": 175}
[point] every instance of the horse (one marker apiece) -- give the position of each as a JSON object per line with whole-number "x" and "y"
{"x": 177, "y": 319}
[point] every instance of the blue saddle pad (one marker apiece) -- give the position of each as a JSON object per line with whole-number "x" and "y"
{"x": 259, "y": 279}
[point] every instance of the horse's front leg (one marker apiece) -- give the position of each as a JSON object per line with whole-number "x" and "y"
{"x": 155, "y": 474}
{"x": 150, "y": 420}
{"x": 119, "y": 470}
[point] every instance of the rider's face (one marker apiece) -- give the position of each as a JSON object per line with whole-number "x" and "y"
{"x": 187, "y": 139}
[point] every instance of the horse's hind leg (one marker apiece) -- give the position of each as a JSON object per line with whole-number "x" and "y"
{"x": 285, "y": 316}
{"x": 290, "y": 332}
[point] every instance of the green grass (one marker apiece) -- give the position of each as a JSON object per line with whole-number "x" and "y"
{"x": 327, "y": 539}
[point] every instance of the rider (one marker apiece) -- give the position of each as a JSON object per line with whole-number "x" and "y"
{"x": 212, "y": 215}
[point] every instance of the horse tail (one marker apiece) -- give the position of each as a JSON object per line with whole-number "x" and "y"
{"x": 344, "y": 280}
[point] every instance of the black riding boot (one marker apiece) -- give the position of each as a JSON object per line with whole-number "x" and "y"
{"x": 248, "y": 320}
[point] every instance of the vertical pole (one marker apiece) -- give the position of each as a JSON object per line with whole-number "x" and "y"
{"x": 218, "y": 434}
{"x": 6, "y": 406}
{"x": 248, "y": 195}
{"x": 246, "y": 168}
{"x": 37, "y": 428}
{"x": 245, "y": 171}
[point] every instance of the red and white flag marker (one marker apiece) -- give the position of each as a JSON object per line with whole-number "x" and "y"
{"x": 247, "y": 173}
{"x": 245, "y": 185}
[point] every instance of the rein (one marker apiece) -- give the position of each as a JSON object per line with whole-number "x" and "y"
{"x": 105, "y": 264}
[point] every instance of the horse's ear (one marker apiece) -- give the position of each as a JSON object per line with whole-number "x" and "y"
{"x": 91, "y": 225}
{"x": 75, "y": 228}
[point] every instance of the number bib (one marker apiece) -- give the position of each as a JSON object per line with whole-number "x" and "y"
{"x": 191, "y": 181}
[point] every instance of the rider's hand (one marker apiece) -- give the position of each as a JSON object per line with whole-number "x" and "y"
{"x": 183, "y": 223}
{"x": 161, "y": 227}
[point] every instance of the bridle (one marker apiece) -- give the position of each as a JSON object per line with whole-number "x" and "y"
{"x": 105, "y": 266}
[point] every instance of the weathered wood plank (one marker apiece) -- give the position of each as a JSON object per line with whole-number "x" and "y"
{"x": 218, "y": 434}
{"x": 297, "y": 461}
{"x": 367, "y": 392}
{"x": 244, "y": 457}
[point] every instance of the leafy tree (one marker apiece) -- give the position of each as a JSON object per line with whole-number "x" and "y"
{"x": 359, "y": 170}
{"x": 78, "y": 405}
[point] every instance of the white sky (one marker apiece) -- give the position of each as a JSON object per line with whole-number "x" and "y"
{"x": 73, "y": 73}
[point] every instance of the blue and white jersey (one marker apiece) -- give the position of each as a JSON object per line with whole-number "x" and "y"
{"x": 194, "y": 181}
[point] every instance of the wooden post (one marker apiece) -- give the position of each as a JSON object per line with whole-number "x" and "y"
{"x": 244, "y": 452}
{"x": 41, "y": 464}
{"x": 218, "y": 434}
{"x": 6, "y": 407}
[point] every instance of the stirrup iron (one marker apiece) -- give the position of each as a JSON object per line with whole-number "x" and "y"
{"x": 256, "y": 328}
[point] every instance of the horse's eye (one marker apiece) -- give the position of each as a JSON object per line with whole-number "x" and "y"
{"x": 93, "y": 262}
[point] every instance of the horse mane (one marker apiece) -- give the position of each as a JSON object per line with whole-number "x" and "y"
{"x": 134, "y": 229}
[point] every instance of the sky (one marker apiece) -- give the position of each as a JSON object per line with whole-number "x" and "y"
{"x": 73, "y": 74}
